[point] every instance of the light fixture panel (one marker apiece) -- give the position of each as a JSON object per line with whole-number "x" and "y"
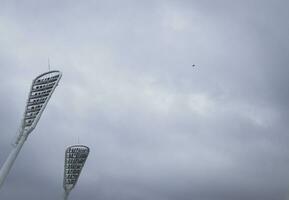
{"x": 40, "y": 92}
{"x": 75, "y": 157}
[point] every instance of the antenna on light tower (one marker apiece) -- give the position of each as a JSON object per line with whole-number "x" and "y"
{"x": 75, "y": 157}
{"x": 40, "y": 92}
{"x": 48, "y": 64}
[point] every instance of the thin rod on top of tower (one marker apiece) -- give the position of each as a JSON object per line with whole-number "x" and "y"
{"x": 48, "y": 64}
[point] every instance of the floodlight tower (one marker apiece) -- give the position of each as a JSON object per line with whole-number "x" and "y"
{"x": 75, "y": 157}
{"x": 40, "y": 92}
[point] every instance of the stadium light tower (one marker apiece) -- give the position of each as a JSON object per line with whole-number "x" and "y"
{"x": 40, "y": 92}
{"x": 75, "y": 157}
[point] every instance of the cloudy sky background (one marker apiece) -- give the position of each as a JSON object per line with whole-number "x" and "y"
{"x": 157, "y": 128}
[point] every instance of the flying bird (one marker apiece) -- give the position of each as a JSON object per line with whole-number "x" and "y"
{"x": 193, "y": 65}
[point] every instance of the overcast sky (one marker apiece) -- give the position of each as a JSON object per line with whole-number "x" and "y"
{"x": 157, "y": 128}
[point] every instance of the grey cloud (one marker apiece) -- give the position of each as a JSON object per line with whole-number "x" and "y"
{"x": 157, "y": 128}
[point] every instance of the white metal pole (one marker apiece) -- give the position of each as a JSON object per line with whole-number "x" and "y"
{"x": 10, "y": 160}
{"x": 65, "y": 195}
{"x": 40, "y": 92}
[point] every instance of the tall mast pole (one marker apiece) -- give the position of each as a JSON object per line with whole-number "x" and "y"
{"x": 10, "y": 160}
{"x": 65, "y": 195}
{"x": 40, "y": 92}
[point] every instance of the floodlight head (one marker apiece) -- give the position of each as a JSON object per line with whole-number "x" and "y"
{"x": 41, "y": 90}
{"x": 75, "y": 157}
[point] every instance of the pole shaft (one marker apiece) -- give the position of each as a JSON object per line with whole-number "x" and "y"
{"x": 65, "y": 195}
{"x": 10, "y": 160}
